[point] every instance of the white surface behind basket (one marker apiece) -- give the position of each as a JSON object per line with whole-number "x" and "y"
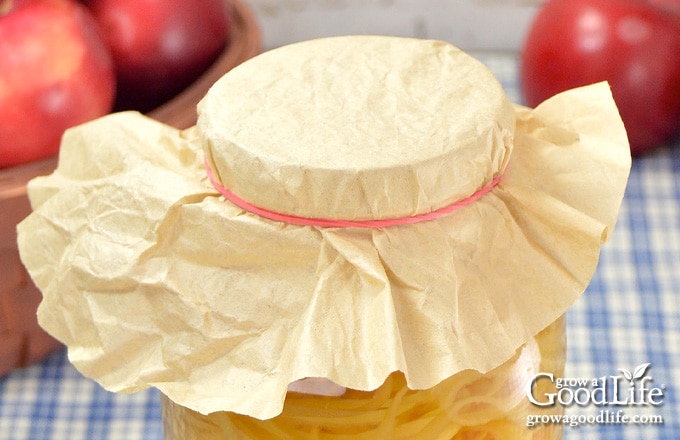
{"x": 489, "y": 25}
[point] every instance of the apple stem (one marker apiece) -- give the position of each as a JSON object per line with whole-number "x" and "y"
{"x": 5, "y": 6}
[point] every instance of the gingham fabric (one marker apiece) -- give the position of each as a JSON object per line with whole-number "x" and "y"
{"x": 628, "y": 317}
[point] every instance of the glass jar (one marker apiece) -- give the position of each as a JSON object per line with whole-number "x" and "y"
{"x": 468, "y": 405}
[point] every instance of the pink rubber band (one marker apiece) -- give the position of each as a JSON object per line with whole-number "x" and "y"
{"x": 330, "y": 223}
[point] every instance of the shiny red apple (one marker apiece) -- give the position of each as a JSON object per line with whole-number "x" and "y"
{"x": 633, "y": 44}
{"x": 55, "y": 72}
{"x": 160, "y": 46}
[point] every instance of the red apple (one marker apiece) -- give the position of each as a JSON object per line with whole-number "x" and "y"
{"x": 160, "y": 46}
{"x": 633, "y": 44}
{"x": 55, "y": 72}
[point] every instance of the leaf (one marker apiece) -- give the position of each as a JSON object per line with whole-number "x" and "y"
{"x": 626, "y": 373}
{"x": 640, "y": 370}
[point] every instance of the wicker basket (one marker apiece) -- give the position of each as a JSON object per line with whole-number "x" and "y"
{"x": 22, "y": 341}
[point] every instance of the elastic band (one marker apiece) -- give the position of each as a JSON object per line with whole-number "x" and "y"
{"x": 330, "y": 223}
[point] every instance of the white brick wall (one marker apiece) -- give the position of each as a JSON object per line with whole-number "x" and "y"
{"x": 469, "y": 24}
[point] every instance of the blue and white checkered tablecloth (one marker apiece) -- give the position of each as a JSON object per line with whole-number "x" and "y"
{"x": 629, "y": 316}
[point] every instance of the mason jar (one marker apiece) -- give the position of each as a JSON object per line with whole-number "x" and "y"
{"x": 468, "y": 405}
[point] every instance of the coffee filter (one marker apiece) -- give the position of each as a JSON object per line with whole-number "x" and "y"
{"x": 154, "y": 275}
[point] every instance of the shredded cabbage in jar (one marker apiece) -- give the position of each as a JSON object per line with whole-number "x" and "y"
{"x": 468, "y": 405}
